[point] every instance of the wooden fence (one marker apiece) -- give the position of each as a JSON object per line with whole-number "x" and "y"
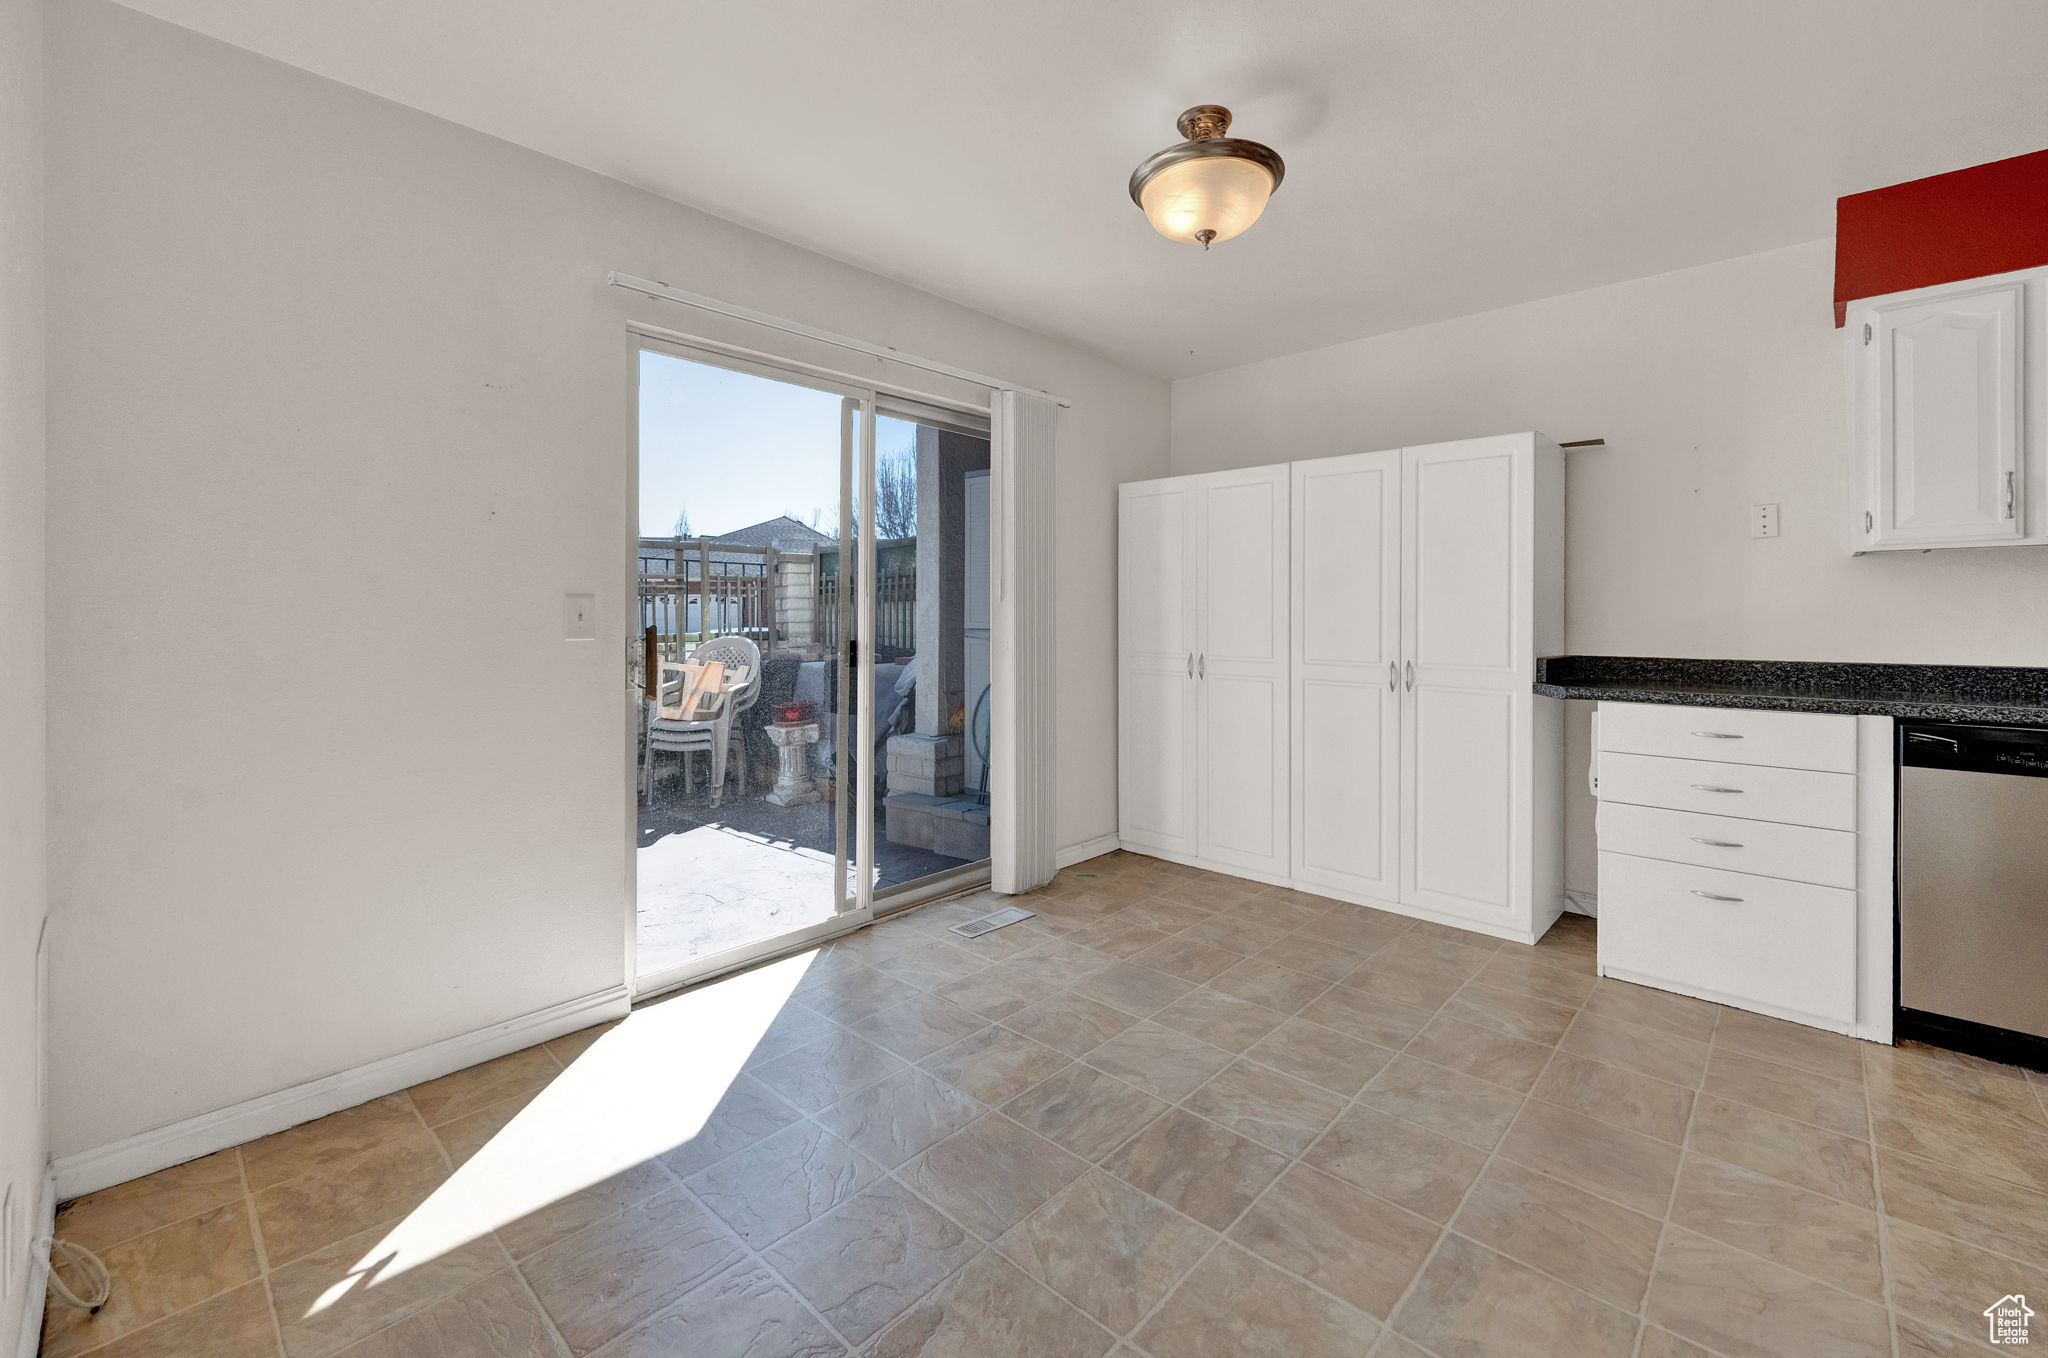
{"x": 785, "y": 601}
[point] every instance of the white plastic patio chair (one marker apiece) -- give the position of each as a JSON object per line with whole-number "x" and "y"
{"x": 717, "y": 735}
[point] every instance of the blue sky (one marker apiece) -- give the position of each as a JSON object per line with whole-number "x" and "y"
{"x": 734, "y": 449}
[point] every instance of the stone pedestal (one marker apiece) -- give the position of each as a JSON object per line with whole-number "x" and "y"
{"x": 930, "y": 766}
{"x": 793, "y": 785}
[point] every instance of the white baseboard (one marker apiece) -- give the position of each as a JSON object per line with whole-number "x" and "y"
{"x": 1085, "y": 850}
{"x": 145, "y": 1153}
{"x": 1581, "y": 903}
{"x": 41, "y": 1226}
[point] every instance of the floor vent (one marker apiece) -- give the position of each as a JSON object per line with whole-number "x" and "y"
{"x": 975, "y": 928}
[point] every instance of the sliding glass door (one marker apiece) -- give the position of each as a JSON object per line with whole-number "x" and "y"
{"x": 810, "y": 659}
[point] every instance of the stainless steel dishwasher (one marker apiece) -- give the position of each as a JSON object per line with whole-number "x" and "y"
{"x": 1973, "y": 889}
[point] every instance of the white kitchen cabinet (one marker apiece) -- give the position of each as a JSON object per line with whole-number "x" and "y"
{"x": 1356, "y": 717}
{"x": 1759, "y": 877}
{"x": 1948, "y": 415}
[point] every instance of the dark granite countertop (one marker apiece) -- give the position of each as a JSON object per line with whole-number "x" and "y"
{"x": 1994, "y": 694}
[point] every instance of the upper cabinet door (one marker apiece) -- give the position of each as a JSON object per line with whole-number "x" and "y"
{"x": 1346, "y": 682}
{"x": 1241, "y": 669}
{"x": 1156, "y": 584}
{"x": 1941, "y": 426}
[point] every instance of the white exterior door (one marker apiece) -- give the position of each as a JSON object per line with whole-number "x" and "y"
{"x": 1156, "y": 581}
{"x": 1939, "y": 409}
{"x": 1467, "y": 556}
{"x": 1241, "y": 669}
{"x": 1346, "y": 695}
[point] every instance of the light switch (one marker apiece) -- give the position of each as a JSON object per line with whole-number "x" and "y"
{"x": 579, "y": 617}
{"x": 1763, "y": 521}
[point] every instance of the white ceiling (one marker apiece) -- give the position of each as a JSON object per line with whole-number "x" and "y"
{"x": 1444, "y": 156}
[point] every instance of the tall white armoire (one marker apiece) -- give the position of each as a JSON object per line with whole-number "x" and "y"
{"x": 1325, "y": 677}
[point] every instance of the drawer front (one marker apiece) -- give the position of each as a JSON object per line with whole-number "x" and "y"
{"x": 1799, "y": 853}
{"x": 1788, "y": 946}
{"x": 1753, "y": 792}
{"x": 1789, "y": 740}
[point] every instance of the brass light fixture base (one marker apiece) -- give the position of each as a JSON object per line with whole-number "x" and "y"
{"x": 1205, "y": 126}
{"x": 1203, "y": 122}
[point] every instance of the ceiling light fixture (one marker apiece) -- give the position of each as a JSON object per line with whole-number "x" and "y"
{"x": 1209, "y": 187}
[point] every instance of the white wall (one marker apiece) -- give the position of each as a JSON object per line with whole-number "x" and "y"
{"x": 21, "y": 622}
{"x": 1716, "y": 388}
{"x": 317, "y": 355}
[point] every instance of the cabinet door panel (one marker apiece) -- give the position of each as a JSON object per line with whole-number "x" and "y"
{"x": 1241, "y": 670}
{"x": 1944, "y": 377}
{"x": 1461, "y": 835}
{"x": 1156, "y": 585}
{"x": 1345, "y": 643}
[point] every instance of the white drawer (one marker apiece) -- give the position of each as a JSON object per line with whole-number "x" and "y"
{"x": 1754, "y": 792}
{"x": 1783, "y": 946}
{"x": 1791, "y": 740}
{"x": 1797, "y": 852}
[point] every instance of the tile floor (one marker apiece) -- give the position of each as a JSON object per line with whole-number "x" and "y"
{"x": 1177, "y": 1115}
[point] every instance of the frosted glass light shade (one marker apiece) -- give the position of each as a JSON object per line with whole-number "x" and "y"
{"x": 1223, "y": 194}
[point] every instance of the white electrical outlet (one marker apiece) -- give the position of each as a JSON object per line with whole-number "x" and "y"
{"x": 579, "y": 617}
{"x": 1763, "y": 521}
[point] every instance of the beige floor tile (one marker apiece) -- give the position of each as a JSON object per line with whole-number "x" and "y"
{"x": 1486, "y": 1053}
{"x": 1986, "y": 1212}
{"x": 1568, "y": 944}
{"x": 743, "y": 1312}
{"x": 1361, "y": 1248}
{"x": 992, "y": 1173}
{"x": 1589, "y": 1242}
{"x": 920, "y": 1026}
{"x": 793, "y": 1026}
{"x": 749, "y": 1111}
{"x": 1472, "y": 1300}
{"x": 1084, "y": 1111}
{"x": 1317, "y": 957}
{"x": 1930, "y": 1073}
{"x": 1457, "y": 1105}
{"x": 1393, "y": 977}
{"x": 1746, "y": 1307}
{"x": 1795, "y": 1152}
{"x": 534, "y": 1231}
{"x": 234, "y": 1324}
{"x": 335, "y": 1296}
{"x": 1237, "y": 930}
{"x": 465, "y": 1091}
{"x": 997, "y": 992}
{"x": 1831, "y": 1104}
{"x": 1405, "y": 1164}
{"x": 1058, "y": 962}
{"x": 931, "y": 966}
{"x": 855, "y": 995}
{"x": 1917, "y": 1339}
{"x": 1235, "y": 1304}
{"x": 1392, "y": 1345}
{"x": 1322, "y": 1056}
{"x": 1108, "y": 1248}
{"x": 1196, "y": 1167}
{"x": 1791, "y": 1044}
{"x": 1513, "y": 969}
{"x": 1159, "y": 1060}
{"x": 894, "y": 1120}
{"x": 1262, "y": 982}
{"x": 466, "y": 1135}
{"x": 125, "y": 1211}
{"x": 1938, "y": 1277}
{"x": 866, "y": 1260}
{"x": 1275, "y": 1110}
{"x": 1679, "y": 1015}
{"x": 1658, "y": 1343}
{"x": 1646, "y": 1051}
{"x": 1622, "y": 1166}
{"x": 1367, "y": 1017}
{"x": 338, "y": 1136}
{"x": 494, "y": 1318}
{"x": 572, "y": 1045}
{"x": 1511, "y": 1012}
{"x": 604, "y": 1280}
{"x": 1619, "y": 1096}
{"x": 827, "y": 1070}
{"x": 995, "y": 1064}
{"x": 1819, "y": 1236}
{"x": 1189, "y": 959}
{"x": 157, "y": 1275}
{"x": 1117, "y": 937}
{"x": 784, "y": 1182}
{"x": 1434, "y": 947}
{"x": 1134, "y": 989}
{"x": 382, "y": 1184}
{"x": 1167, "y": 915}
{"x": 1070, "y": 1023}
{"x": 1220, "y": 1020}
{"x": 1964, "y": 1131}
{"x": 991, "y": 1309}
{"x": 1356, "y": 927}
